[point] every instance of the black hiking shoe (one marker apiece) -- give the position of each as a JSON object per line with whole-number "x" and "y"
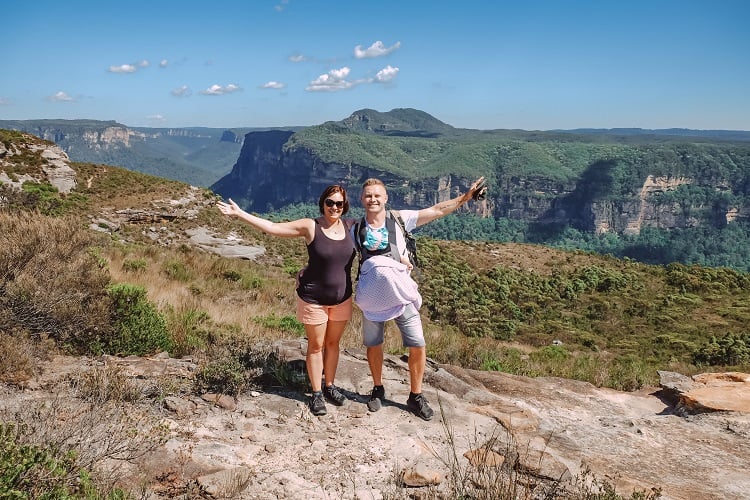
{"x": 335, "y": 395}
{"x": 418, "y": 404}
{"x": 376, "y": 398}
{"x": 317, "y": 404}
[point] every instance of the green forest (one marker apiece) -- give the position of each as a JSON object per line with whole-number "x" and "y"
{"x": 728, "y": 246}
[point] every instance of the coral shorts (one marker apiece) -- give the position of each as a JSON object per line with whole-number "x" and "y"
{"x": 316, "y": 314}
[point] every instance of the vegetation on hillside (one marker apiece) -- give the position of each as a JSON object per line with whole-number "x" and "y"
{"x": 418, "y": 153}
{"x": 524, "y": 309}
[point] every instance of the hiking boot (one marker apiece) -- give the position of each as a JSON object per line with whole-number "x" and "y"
{"x": 376, "y": 398}
{"x": 335, "y": 395}
{"x": 418, "y": 404}
{"x": 317, "y": 404}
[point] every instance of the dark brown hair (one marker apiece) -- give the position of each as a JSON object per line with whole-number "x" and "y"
{"x": 334, "y": 188}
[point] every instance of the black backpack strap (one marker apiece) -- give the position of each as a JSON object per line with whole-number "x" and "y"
{"x": 390, "y": 225}
{"x": 358, "y": 233}
{"x": 397, "y": 217}
{"x": 411, "y": 248}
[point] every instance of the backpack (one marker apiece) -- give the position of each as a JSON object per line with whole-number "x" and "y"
{"x": 392, "y": 219}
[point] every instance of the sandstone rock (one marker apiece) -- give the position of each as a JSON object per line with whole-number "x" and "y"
{"x": 179, "y": 406}
{"x": 226, "y": 483}
{"x": 484, "y": 457}
{"x": 717, "y": 392}
{"x": 220, "y": 400}
{"x": 556, "y": 429}
{"x": 420, "y": 475}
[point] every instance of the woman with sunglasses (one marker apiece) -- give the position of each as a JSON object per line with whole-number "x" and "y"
{"x": 324, "y": 290}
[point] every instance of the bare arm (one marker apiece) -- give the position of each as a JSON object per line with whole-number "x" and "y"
{"x": 445, "y": 207}
{"x": 300, "y": 227}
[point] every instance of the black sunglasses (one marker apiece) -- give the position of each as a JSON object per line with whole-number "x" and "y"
{"x": 330, "y": 203}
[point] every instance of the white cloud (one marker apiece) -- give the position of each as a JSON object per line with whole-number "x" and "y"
{"x": 386, "y": 74}
{"x": 60, "y": 97}
{"x": 281, "y": 5}
{"x": 272, "y": 85}
{"x": 377, "y": 49}
{"x": 156, "y": 118}
{"x": 183, "y": 91}
{"x": 163, "y": 63}
{"x": 144, "y": 63}
{"x": 332, "y": 81}
{"x": 123, "y": 68}
{"x": 297, "y": 58}
{"x": 219, "y": 90}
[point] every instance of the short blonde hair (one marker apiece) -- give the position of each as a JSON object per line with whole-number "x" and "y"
{"x": 372, "y": 181}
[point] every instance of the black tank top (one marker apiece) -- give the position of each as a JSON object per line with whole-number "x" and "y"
{"x": 327, "y": 280}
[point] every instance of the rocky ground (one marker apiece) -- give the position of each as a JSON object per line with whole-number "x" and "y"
{"x": 544, "y": 432}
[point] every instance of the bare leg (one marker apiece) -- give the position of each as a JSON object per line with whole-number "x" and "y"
{"x": 417, "y": 362}
{"x": 332, "y": 347}
{"x": 375, "y": 360}
{"x": 315, "y": 338}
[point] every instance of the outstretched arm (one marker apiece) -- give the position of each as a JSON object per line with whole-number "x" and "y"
{"x": 445, "y": 207}
{"x": 299, "y": 227}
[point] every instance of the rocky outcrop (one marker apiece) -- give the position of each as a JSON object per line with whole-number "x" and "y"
{"x": 55, "y": 165}
{"x": 707, "y": 392}
{"x": 107, "y": 136}
{"x": 543, "y": 432}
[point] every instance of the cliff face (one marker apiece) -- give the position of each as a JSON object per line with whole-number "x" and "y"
{"x": 267, "y": 175}
{"x": 271, "y": 173}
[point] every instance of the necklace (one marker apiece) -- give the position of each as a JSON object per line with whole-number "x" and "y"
{"x": 335, "y": 229}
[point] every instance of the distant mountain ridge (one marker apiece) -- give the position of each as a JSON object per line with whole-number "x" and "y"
{"x": 397, "y": 122}
{"x": 551, "y": 182}
{"x": 201, "y": 156}
{"x": 194, "y": 155}
{"x": 731, "y": 135}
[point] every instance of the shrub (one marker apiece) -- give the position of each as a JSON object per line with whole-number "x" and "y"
{"x": 138, "y": 327}
{"x": 730, "y": 350}
{"x": 108, "y": 383}
{"x": 31, "y": 472}
{"x": 66, "y": 449}
{"x": 134, "y": 265}
{"x": 628, "y": 373}
{"x": 189, "y": 329}
{"x": 51, "y": 283}
{"x": 284, "y": 323}
{"x": 225, "y": 376}
{"x": 177, "y": 270}
{"x": 17, "y": 360}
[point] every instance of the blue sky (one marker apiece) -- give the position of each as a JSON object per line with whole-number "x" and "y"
{"x": 533, "y": 64}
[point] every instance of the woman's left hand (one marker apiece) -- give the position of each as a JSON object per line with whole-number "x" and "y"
{"x": 230, "y": 208}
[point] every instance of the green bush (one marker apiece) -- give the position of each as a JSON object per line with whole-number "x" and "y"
{"x": 223, "y": 376}
{"x": 177, "y": 270}
{"x": 730, "y": 350}
{"x": 284, "y": 323}
{"x": 31, "y": 472}
{"x": 190, "y": 329}
{"x": 139, "y": 328}
{"x": 134, "y": 265}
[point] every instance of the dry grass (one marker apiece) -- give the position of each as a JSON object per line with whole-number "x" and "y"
{"x": 107, "y": 440}
{"x": 19, "y": 360}
{"x": 206, "y": 288}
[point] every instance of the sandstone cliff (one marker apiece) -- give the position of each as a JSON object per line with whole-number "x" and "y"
{"x": 556, "y": 181}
